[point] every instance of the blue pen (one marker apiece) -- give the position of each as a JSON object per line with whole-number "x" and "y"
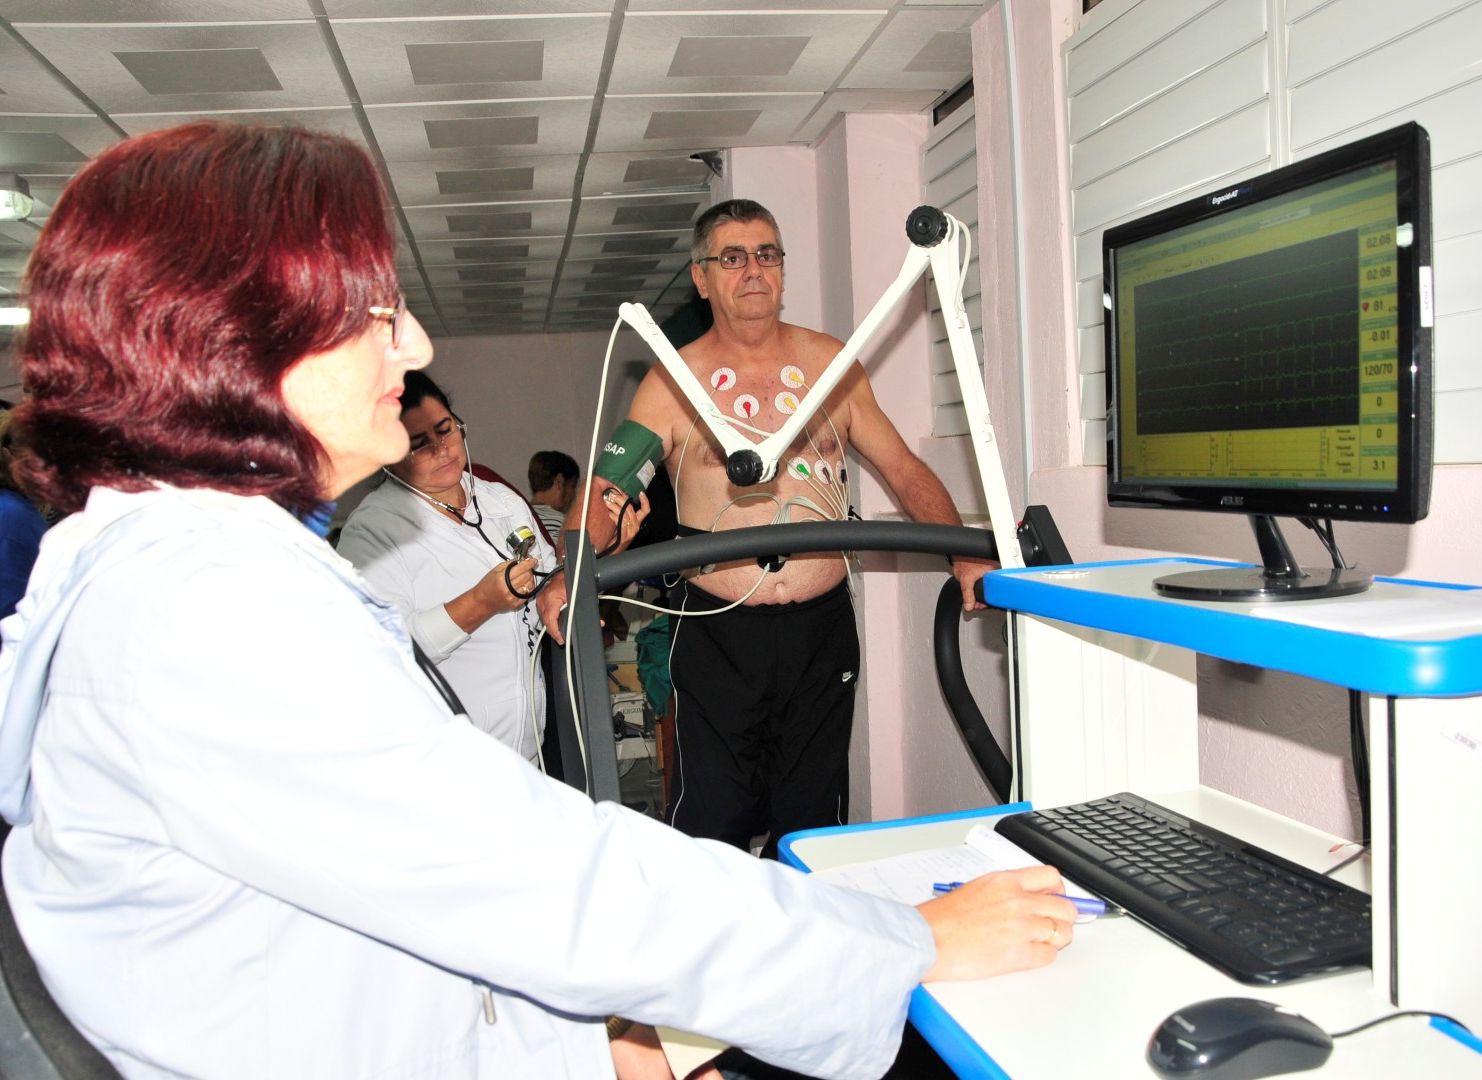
{"x": 1084, "y": 904}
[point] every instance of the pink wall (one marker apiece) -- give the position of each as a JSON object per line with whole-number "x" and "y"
{"x": 784, "y": 179}
{"x": 520, "y": 393}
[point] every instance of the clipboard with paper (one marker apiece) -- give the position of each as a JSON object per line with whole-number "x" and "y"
{"x": 909, "y": 878}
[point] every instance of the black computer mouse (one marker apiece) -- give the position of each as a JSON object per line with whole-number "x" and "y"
{"x": 1236, "y": 1039}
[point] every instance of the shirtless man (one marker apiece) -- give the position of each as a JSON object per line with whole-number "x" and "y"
{"x": 766, "y": 691}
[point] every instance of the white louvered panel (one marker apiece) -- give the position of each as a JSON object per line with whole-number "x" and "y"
{"x": 1407, "y": 70}
{"x": 1167, "y": 67}
{"x": 965, "y": 209}
{"x": 1125, "y": 37}
{"x": 1340, "y": 32}
{"x": 972, "y": 288}
{"x": 950, "y": 187}
{"x": 1225, "y": 88}
{"x": 948, "y": 420}
{"x": 1237, "y": 143}
{"x": 1458, "y": 435}
{"x": 1458, "y": 275}
{"x": 1458, "y": 349}
{"x": 945, "y": 389}
{"x": 1151, "y": 92}
{"x": 1450, "y": 119}
{"x": 1093, "y": 396}
{"x": 1090, "y": 308}
{"x": 941, "y": 361}
{"x": 1093, "y": 442}
{"x": 1091, "y": 347}
{"x": 1456, "y": 199}
{"x": 957, "y": 143}
{"x": 951, "y": 164}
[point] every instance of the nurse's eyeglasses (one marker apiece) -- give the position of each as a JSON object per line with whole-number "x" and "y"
{"x": 423, "y": 445}
{"x": 396, "y": 316}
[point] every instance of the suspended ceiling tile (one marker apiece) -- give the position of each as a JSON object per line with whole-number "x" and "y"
{"x": 777, "y": 7}
{"x": 626, "y": 173}
{"x": 53, "y": 145}
{"x": 925, "y": 48}
{"x": 691, "y": 122}
{"x": 737, "y": 52}
{"x": 463, "y": 251}
{"x": 641, "y": 213}
{"x": 153, "y": 11}
{"x": 193, "y": 68}
{"x": 863, "y": 101}
{"x": 574, "y": 285}
{"x": 490, "y": 221}
{"x": 412, "y": 9}
{"x": 606, "y": 246}
{"x": 474, "y": 59}
{"x": 28, "y": 86}
{"x": 333, "y": 120}
{"x": 427, "y": 183}
{"x": 626, "y": 265}
{"x": 477, "y": 132}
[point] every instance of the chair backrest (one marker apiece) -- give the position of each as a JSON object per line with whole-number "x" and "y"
{"x": 36, "y": 1041}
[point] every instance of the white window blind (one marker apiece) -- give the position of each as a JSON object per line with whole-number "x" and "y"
{"x": 950, "y": 166}
{"x": 1168, "y": 98}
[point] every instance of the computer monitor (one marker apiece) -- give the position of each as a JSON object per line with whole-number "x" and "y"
{"x": 1268, "y": 352}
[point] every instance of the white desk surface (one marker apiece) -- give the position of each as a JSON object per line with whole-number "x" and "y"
{"x": 1091, "y": 1012}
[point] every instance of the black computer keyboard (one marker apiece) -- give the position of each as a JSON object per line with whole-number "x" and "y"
{"x": 1253, "y": 915}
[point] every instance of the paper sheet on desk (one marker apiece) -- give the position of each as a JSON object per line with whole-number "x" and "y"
{"x": 909, "y": 878}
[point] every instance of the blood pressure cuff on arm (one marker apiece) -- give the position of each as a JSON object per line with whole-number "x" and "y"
{"x": 630, "y": 458}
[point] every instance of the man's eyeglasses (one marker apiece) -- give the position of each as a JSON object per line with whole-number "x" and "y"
{"x": 734, "y": 258}
{"x": 396, "y": 316}
{"x": 422, "y": 445}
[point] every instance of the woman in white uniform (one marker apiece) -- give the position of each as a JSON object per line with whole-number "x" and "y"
{"x": 250, "y": 836}
{"x": 434, "y": 540}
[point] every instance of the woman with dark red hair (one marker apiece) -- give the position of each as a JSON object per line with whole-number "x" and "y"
{"x": 251, "y": 837}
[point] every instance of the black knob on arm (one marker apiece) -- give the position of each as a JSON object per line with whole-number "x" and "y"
{"x": 926, "y": 226}
{"x": 744, "y": 468}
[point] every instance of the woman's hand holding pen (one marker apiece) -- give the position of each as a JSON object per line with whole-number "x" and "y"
{"x": 999, "y": 923}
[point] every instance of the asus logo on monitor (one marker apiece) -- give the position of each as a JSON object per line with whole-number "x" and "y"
{"x": 1232, "y": 500}
{"x": 1233, "y": 193}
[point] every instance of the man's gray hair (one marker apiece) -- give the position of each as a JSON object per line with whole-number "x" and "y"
{"x": 742, "y": 210}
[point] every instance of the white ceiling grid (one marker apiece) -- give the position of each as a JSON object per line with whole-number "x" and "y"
{"x": 537, "y": 151}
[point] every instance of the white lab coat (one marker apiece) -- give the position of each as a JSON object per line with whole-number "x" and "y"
{"x": 252, "y": 841}
{"x": 419, "y": 560}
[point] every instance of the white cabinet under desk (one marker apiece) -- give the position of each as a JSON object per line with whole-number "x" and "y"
{"x": 1103, "y": 681}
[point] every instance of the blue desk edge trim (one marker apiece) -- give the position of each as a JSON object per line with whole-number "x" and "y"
{"x": 1399, "y": 667}
{"x": 786, "y": 854}
{"x": 947, "y": 1037}
{"x": 1456, "y": 1031}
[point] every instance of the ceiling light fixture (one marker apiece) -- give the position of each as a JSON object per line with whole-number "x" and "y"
{"x": 15, "y": 197}
{"x": 14, "y": 316}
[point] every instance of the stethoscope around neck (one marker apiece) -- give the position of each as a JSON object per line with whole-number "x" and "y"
{"x": 460, "y": 515}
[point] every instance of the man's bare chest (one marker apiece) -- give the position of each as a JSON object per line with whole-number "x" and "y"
{"x": 758, "y": 401}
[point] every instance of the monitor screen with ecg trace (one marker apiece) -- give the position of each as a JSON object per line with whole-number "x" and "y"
{"x": 1268, "y": 344}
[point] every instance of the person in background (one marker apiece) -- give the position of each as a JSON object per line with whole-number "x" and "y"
{"x": 435, "y": 541}
{"x": 553, "y": 488}
{"x": 252, "y": 836}
{"x": 21, "y": 527}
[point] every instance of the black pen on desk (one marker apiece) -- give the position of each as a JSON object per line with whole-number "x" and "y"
{"x": 1084, "y": 905}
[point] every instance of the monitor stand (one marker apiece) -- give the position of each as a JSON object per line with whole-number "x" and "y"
{"x": 1280, "y": 579}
